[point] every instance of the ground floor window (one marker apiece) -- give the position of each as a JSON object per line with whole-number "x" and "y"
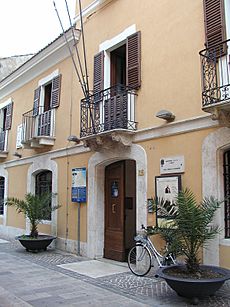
{"x": 43, "y": 185}
{"x": 227, "y": 193}
{"x": 2, "y": 192}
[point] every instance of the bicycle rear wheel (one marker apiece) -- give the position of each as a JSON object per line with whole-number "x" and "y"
{"x": 139, "y": 260}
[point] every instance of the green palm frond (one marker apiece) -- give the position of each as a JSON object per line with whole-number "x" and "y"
{"x": 35, "y": 207}
{"x": 192, "y": 225}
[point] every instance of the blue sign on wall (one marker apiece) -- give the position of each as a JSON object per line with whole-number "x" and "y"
{"x": 79, "y": 185}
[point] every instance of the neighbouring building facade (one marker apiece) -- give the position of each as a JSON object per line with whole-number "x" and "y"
{"x": 9, "y": 64}
{"x": 157, "y": 119}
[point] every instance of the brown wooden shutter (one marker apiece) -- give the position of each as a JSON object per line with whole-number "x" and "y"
{"x": 133, "y": 60}
{"x": 55, "y": 92}
{"x": 9, "y": 112}
{"x": 98, "y": 76}
{"x": 36, "y": 101}
{"x": 214, "y": 22}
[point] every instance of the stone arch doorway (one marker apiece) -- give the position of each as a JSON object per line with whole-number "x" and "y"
{"x": 96, "y": 193}
{"x": 213, "y": 148}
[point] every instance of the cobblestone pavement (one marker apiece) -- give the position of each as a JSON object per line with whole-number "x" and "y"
{"x": 35, "y": 279}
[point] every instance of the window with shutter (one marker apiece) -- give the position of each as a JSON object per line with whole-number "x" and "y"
{"x": 214, "y": 22}
{"x": 50, "y": 93}
{"x": 55, "y": 92}
{"x": 98, "y": 76}
{"x": 8, "y": 119}
{"x": 128, "y": 54}
{"x": 125, "y": 71}
{"x": 36, "y": 101}
{"x": 133, "y": 55}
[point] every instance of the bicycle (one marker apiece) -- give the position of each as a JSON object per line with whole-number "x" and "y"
{"x": 141, "y": 256}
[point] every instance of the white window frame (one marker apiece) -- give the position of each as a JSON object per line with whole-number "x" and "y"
{"x": 19, "y": 136}
{"x": 3, "y": 106}
{"x": 108, "y": 46}
{"x": 43, "y": 82}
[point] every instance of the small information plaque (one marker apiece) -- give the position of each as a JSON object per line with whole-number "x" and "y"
{"x": 171, "y": 165}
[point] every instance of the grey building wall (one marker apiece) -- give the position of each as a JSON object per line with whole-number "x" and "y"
{"x": 9, "y": 64}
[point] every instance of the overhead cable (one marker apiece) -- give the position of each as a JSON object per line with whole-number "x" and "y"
{"x": 77, "y": 52}
{"x": 83, "y": 87}
{"x": 83, "y": 44}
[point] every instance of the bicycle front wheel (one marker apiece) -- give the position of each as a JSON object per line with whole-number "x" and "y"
{"x": 139, "y": 260}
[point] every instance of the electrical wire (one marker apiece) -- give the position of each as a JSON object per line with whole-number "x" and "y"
{"x": 71, "y": 54}
{"x": 83, "y": 44}
{"x": 84, "y": 85}
{"x": 77, "y": 52}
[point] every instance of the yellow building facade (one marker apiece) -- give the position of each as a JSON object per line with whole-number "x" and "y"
{"x": 156, "y": 115}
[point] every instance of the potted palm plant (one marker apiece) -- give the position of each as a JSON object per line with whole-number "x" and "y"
{"x": 192, "y": 229}
{"x": 36, "y": 208}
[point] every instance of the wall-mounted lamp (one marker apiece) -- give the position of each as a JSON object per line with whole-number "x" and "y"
{"x": 16, "y": 154}
{"x": 73, "y": 138}
{"x": 166, "y": 115}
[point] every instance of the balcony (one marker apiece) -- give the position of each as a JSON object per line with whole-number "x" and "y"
{"x": 216, "y": 81}
{"x": 38, "y": 128}
{"x": 108, "y": 118}
{"x": 3, "y": 144}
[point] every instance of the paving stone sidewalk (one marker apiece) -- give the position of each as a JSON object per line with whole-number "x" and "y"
{"x": 36, "y": 279}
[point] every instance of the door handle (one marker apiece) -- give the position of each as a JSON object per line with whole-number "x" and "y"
{"x": 113, "y": 208}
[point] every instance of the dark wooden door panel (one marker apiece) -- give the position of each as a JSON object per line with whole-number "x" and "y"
{"x": 114, "y": 212}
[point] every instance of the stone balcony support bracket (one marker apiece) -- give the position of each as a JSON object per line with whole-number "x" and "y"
{"x": 108, "y": 140}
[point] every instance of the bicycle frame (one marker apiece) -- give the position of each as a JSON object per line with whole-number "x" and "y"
{"x": 148, "y": 244}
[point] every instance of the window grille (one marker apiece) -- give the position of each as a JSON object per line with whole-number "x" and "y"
{"x": 227, "y": 193}
{"x": 2, "y": 192}
{"x": 44, "y": 184}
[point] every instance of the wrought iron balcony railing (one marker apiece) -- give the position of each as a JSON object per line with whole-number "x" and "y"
{"x": 113, "y": 108}
{"x": 37, "y": 123}
{"x": 215, "y": 74}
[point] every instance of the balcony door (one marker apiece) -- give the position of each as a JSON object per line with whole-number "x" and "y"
{"x": 118, "y": 66}
{"x": 46, "y": 99}
{"x": 115, "y": 107}
{"x": 120, "y": 209}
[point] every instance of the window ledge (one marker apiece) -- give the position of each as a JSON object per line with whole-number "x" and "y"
{"x": 225, "y": 242}
{"x": 3, "y": 154}
{"x": 39, "y": 142}
{"x": 46, "y": 222}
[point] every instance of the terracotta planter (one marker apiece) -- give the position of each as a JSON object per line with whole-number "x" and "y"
{"x": 194, "y": 288}
{"x": 40, "y": 243}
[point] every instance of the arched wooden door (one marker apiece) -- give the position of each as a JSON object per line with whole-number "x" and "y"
{"x": 117, "y": 209}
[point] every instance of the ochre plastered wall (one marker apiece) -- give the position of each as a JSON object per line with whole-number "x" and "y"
{"x": 17, "y": 188}
{"x": 224, "y": 256}
{"x": 67, "y": 114}
{"x": 44, "y": 228}
{"x": 188, "y": 145}
{"x": 171, "y": 33}
{"x": 171, "y": 38}
{"x": 68, "y": 213}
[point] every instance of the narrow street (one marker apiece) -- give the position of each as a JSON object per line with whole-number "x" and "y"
{"x": 55, "y": 278}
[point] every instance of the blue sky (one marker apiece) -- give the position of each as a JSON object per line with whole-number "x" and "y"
{"x": 26, "y": 26}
